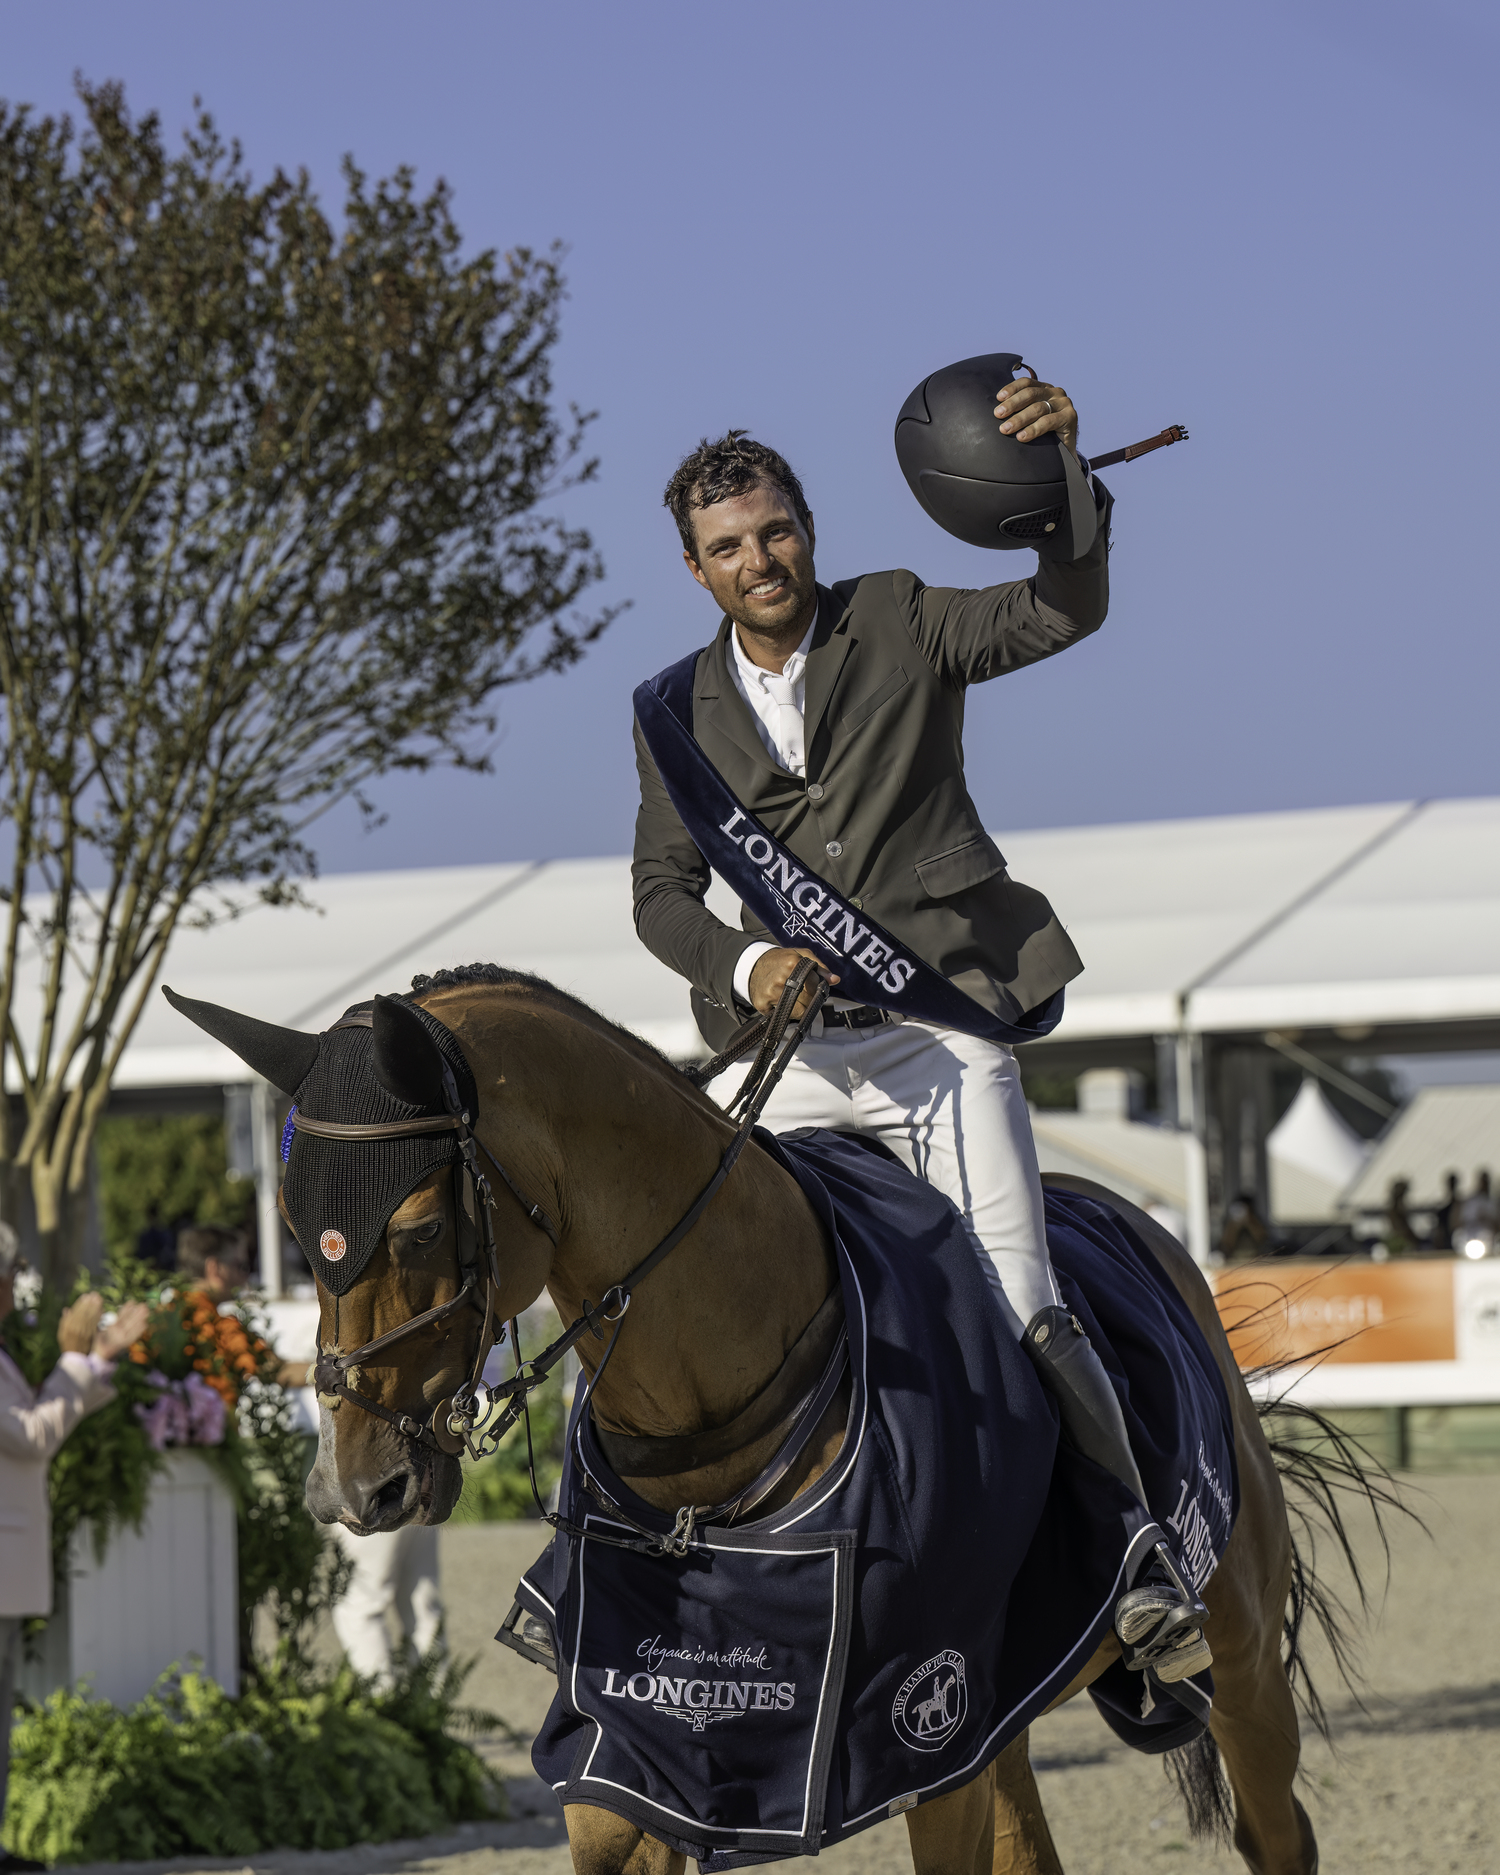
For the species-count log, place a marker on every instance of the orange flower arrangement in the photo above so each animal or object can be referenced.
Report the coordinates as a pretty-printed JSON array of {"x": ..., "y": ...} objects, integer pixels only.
[{"x": 188, "y": 1334}]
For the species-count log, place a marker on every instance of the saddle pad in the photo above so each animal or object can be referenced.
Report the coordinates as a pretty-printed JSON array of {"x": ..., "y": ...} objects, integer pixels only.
[{"x": 951, "y": 1504}]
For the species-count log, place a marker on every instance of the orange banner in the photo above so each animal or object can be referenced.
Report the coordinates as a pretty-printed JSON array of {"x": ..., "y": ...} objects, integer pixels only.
[{"x": 1288, "y": 1310}]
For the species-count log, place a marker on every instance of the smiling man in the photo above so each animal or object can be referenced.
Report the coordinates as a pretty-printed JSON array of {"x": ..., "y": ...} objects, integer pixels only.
[{"x": 835, "y": 716}]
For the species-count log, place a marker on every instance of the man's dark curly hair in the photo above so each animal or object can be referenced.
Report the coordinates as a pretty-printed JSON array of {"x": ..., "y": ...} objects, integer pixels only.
[{"x": 721, "y": 470}]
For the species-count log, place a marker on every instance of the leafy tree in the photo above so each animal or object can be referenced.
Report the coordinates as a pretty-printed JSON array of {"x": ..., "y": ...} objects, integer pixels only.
[
  {"x": 269, "y": 528},
  {"x": 169, "y": 1164}
]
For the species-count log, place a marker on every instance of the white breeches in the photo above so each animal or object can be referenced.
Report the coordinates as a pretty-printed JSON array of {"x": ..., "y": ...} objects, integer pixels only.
[
  {"x": 951, "y": 1108},
  {"x": 394, "y": 1569}
]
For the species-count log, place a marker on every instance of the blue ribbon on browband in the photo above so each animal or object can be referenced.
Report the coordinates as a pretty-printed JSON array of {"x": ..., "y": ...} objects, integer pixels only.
[{"x": 288, "y": 1133}]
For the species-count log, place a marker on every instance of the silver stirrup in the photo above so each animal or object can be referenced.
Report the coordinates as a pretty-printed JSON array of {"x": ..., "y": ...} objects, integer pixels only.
[{"x": 1160, "y": 1625}]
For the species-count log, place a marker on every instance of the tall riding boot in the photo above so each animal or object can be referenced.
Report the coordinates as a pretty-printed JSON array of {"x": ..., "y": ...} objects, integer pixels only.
[{"x": 1160, "y": 1621}]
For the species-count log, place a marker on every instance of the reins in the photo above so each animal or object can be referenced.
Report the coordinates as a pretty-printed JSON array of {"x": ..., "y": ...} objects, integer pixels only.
[{"x": 453, "y": 1424}]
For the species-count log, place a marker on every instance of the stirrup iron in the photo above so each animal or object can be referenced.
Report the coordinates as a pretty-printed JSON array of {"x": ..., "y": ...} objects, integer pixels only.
[{"x": 1160, "y": 1623}]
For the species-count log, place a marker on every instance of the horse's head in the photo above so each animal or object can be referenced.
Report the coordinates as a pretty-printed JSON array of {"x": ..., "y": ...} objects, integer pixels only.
[
  {"x": 376, "y": 1194},
  {"x": 370, "y": 1473}
]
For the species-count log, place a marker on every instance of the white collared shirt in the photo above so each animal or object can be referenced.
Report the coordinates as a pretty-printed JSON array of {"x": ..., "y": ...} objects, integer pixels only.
[{"x": 777, "y": 702}]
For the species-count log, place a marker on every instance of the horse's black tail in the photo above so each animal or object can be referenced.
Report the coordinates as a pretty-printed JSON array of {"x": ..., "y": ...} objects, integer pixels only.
[
  {"x": 1198, "y": 1772},
  {"x": 1321, "y": 1468}
]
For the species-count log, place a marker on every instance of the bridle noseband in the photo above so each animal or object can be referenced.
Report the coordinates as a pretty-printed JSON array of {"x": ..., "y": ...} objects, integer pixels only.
[{"x": 452, "y": 1426}]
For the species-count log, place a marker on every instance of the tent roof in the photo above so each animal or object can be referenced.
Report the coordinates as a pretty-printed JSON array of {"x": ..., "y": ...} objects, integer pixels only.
[
  {"x": 1442, "y": 1130},
  {"x": 1148, "y": 1164},
  {"x": 1337, "y": 916},
  {"x": 1330, "y": 916},
  {"x": 569, "y": 921}
]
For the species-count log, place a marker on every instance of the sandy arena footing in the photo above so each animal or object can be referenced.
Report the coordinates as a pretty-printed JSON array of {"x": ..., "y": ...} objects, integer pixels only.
[{"x": 1412, "y": 1782}]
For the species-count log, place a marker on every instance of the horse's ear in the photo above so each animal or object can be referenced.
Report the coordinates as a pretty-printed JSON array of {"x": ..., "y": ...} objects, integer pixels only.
[
  {"x": 408, "y": 1062},
  {"x": 283, "y": 1056}
]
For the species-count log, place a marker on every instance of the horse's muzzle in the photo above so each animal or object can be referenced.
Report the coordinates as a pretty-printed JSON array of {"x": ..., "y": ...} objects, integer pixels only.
[{"x": 417, "y": 1490}]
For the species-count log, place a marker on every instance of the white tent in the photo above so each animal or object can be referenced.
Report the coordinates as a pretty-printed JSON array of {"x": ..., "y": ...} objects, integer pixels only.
[
  {"x": 1442, "y": 1130},
  {"x": 1312, "y": 1155},
  {"x": 1333, "y": 916},
  {"x": 1336, "y": 916},
  {"x": 569, "y": 921},
  {"x": 1311, "y": 1136}
]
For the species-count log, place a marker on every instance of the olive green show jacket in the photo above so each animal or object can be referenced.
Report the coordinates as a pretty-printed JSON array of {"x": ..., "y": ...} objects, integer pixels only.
[{"x": 883, "y": 813}]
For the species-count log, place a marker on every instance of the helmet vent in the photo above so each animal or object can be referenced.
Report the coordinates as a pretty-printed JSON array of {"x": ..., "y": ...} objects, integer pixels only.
[{"x": 1034, "y": 526}]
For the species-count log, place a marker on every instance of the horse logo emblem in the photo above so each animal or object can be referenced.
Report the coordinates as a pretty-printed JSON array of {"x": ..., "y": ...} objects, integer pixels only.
[
  {"x": 332, "y": 1244},
  {"x": 932, "y": 1702}
]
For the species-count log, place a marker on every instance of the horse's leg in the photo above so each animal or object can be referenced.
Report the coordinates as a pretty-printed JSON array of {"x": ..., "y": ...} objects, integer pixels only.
[
  {"x": 605, "y": 1844},
  {"x": 954, "y": 1835},
  {"x": 1023, "y": 1842},
  {"x": 993, "y": 1825},
  {"x": 1254, "y": 1720},
  {"x": 1255, "y": 1727}
]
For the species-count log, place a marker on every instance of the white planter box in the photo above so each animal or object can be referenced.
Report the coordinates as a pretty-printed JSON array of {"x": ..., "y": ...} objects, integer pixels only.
[{"x": 166, "y": 1593}]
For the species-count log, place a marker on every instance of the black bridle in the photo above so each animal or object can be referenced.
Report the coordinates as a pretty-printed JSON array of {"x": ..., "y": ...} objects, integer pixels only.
[{"x": 454, "y": 1424}]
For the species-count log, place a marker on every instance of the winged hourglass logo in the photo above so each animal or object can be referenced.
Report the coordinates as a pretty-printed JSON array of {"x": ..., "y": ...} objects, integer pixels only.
[{"x": 797, "y": 925}]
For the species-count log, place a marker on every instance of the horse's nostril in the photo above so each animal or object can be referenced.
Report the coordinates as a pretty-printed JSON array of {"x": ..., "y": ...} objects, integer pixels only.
[{"x": 391, "y": 1494}]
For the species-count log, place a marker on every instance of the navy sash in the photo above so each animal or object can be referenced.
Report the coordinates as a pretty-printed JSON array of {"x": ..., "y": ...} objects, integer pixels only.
[{"x": 801, "y": 909}]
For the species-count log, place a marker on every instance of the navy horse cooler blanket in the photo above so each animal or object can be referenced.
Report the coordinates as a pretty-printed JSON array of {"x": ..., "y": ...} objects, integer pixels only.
[{"x": 880, "y": 1640}]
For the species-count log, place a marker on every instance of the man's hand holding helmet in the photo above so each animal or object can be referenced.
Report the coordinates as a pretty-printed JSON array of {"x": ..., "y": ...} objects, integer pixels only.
[{"x": 1028, "y": 408}]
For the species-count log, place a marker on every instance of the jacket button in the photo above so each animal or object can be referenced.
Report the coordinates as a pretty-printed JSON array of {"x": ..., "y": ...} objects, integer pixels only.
[
  {"x": 834, "y": 848},
  {"x": 857, "y": 903},
  {"x": 815, "y": 791}
]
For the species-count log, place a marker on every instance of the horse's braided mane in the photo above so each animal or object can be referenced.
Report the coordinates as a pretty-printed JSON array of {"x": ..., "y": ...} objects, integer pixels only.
[{"x": 499, "y": 977}]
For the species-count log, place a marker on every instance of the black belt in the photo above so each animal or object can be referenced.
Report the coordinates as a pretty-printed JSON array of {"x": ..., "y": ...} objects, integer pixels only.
[{"x": 862, "y": 1016}]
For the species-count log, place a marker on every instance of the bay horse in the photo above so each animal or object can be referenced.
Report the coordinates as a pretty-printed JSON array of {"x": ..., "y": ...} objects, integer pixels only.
[{"x": 606, "y": 1144}]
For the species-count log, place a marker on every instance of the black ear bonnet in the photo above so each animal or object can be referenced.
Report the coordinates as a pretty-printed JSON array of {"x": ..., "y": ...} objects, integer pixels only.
[
  {"x": 340, "y": 1193},
  {"x": 988, "y": 489}
]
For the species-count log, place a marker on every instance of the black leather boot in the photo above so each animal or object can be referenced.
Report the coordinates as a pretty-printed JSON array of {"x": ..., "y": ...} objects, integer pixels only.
[{"x": 1160, "y": 1621}]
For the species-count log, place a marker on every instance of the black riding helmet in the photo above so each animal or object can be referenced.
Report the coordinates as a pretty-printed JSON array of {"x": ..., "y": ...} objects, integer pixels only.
[{"x": 989, "y": 489}]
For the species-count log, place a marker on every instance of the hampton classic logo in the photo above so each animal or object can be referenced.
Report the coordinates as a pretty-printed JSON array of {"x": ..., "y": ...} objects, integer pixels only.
[
  {"x": 810, "y": 909},
  {"x": 700, "y": 1701},
  {"x": 932, "y": 1702},
  {"x": 332, "y": 1244}
]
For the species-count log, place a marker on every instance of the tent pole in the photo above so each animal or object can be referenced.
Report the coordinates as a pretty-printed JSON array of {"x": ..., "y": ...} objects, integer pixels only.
[
  {"x": 267, "y": 1184},
  {"x": 1190, "y": 1122}
]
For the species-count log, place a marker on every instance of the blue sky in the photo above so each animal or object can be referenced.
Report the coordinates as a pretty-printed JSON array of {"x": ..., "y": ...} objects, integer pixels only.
[{"x": 1273, "y": 223}]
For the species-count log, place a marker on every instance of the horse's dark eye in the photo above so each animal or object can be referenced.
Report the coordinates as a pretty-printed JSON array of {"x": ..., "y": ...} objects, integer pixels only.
[{"x": 429, "y": 1233}]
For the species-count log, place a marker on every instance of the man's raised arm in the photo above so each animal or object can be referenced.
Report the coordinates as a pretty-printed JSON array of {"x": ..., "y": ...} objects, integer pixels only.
[
  {"x": 971, "y": 636},
  {"x": 669, "y": 879}
]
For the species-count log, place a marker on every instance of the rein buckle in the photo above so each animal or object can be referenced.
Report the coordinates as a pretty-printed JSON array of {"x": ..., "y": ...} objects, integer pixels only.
[{"x": 679, "y": 1538}]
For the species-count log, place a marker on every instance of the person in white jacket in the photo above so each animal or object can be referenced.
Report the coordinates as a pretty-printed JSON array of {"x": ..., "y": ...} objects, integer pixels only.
[{"x": 33, "y": 1424}]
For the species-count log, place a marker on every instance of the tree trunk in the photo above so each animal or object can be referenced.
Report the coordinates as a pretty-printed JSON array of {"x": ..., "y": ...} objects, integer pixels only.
[{"x": 66, "y": 1238}]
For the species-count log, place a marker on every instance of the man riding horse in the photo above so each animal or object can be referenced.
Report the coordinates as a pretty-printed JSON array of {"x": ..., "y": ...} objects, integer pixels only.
[{"x": 835, "y": 716}]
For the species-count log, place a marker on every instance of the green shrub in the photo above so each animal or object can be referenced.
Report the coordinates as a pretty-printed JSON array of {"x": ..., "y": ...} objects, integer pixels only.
[{"x": 298, "y": 1761}]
